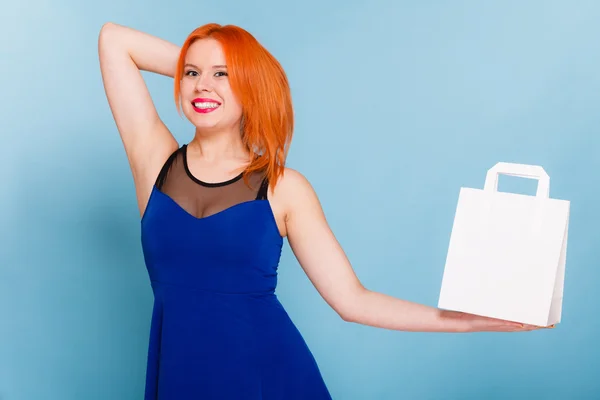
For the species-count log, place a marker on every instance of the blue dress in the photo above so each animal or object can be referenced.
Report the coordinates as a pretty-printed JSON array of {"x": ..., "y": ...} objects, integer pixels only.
[{"x": 218, "y": 330}]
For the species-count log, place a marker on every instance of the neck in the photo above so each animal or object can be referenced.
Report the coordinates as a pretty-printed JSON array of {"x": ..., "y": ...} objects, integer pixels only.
[{"x": 216, "y": 146}]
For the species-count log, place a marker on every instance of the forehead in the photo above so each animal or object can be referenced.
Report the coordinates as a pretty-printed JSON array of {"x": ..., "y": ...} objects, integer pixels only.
[{"x": 205, "y": 52}]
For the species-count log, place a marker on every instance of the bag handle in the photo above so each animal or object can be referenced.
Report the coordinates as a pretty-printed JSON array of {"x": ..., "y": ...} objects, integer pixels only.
[{"x": 521, "y": 171}]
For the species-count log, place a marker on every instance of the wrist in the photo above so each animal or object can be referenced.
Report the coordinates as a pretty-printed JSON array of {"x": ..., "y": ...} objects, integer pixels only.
[{"x": 456, "y": 322}]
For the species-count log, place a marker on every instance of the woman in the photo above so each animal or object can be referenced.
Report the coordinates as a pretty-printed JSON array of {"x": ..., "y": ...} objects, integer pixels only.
[{"x": 214, "y": 214}]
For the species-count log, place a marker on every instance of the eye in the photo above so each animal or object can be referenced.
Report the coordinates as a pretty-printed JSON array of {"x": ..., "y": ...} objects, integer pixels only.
[
  {"x": 190, "y": 73},
  {"x": 221, "y": 73}
]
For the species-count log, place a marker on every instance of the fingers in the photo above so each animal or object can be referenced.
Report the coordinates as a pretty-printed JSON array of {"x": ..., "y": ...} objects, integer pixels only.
[
  {"x": 517, "y": 327},
  {"x": 527, "y": 327}
]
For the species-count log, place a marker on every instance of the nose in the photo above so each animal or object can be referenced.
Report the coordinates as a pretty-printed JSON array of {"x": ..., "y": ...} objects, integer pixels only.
[{"x": 203, "y": 83}]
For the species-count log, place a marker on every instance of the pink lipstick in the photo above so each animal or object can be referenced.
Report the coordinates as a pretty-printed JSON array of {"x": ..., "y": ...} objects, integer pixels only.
[{"x": 205, "y": 109}]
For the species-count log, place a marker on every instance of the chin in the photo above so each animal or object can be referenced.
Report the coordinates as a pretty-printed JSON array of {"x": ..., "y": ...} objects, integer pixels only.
[
  {"x": 205, "y": 125},
  {"x": 202, "y": 121}
]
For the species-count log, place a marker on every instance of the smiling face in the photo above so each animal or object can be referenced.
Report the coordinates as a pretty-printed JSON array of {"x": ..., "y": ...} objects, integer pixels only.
[{"x": 207, "y": 99}]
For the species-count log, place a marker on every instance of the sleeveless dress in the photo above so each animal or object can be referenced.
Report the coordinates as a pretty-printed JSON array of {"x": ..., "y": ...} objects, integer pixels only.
[{"x": 218, "y": 330}]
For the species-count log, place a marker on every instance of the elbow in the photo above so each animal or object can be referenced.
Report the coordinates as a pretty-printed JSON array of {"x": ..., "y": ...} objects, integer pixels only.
[
  {"x": 107, "y": 31},
  {"x": 104, "y": 33},
  {"x": 107, "y": 26},
  {"x": 349, "y": 308},
  {"x": 110, "y": 40},
  {"x": 348, "y": 315}
]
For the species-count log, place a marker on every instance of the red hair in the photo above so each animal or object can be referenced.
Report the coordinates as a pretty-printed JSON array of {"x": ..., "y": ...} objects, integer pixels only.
[{"x": 260, "y": 84}]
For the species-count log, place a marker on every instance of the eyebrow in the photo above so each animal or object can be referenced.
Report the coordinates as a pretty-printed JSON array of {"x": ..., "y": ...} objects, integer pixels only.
[{"x": 214, "y": 66}]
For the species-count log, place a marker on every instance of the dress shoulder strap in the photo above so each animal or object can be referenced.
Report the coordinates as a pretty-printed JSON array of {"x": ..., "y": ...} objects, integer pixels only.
[
  {"x": 164, "y": 171},
  {"x": 262, "y": 191}
]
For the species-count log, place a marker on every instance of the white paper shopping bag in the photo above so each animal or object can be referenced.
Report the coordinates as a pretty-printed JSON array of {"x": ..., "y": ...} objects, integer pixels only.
[{"x": 507, "y": 251}]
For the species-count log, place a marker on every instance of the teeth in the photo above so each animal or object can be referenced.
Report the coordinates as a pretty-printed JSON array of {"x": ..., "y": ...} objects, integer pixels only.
[{"x": 206, "y": 105}]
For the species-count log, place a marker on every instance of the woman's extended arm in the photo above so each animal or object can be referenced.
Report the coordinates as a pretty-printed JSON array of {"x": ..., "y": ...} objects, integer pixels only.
[{"x": 328, "y": 268}]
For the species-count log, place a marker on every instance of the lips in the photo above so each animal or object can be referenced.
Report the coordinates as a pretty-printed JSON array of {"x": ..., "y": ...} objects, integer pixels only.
[{"x": 205, "y": 105}]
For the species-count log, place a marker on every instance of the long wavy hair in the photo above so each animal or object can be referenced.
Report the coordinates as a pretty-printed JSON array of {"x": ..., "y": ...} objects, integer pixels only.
[{"x": 261, "y": 85}]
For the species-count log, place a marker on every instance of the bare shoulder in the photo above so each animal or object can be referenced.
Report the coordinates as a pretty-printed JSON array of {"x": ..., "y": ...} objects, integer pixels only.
[
  {"x": 292, "y": 180},
  {"x": 293, "y": 188},
  {"x": 293, "y": 197}
]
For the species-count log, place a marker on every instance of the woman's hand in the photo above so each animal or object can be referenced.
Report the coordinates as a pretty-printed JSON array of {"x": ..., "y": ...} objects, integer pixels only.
[{"x": 476, "y": 323}]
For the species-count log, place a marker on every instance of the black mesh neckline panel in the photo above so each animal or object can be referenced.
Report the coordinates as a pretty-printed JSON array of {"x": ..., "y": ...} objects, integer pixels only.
[{"x": 202, "y": 199}]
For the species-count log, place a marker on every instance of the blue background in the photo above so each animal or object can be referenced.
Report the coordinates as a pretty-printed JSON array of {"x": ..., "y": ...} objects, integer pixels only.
[{"x": 398, "y": 105}]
